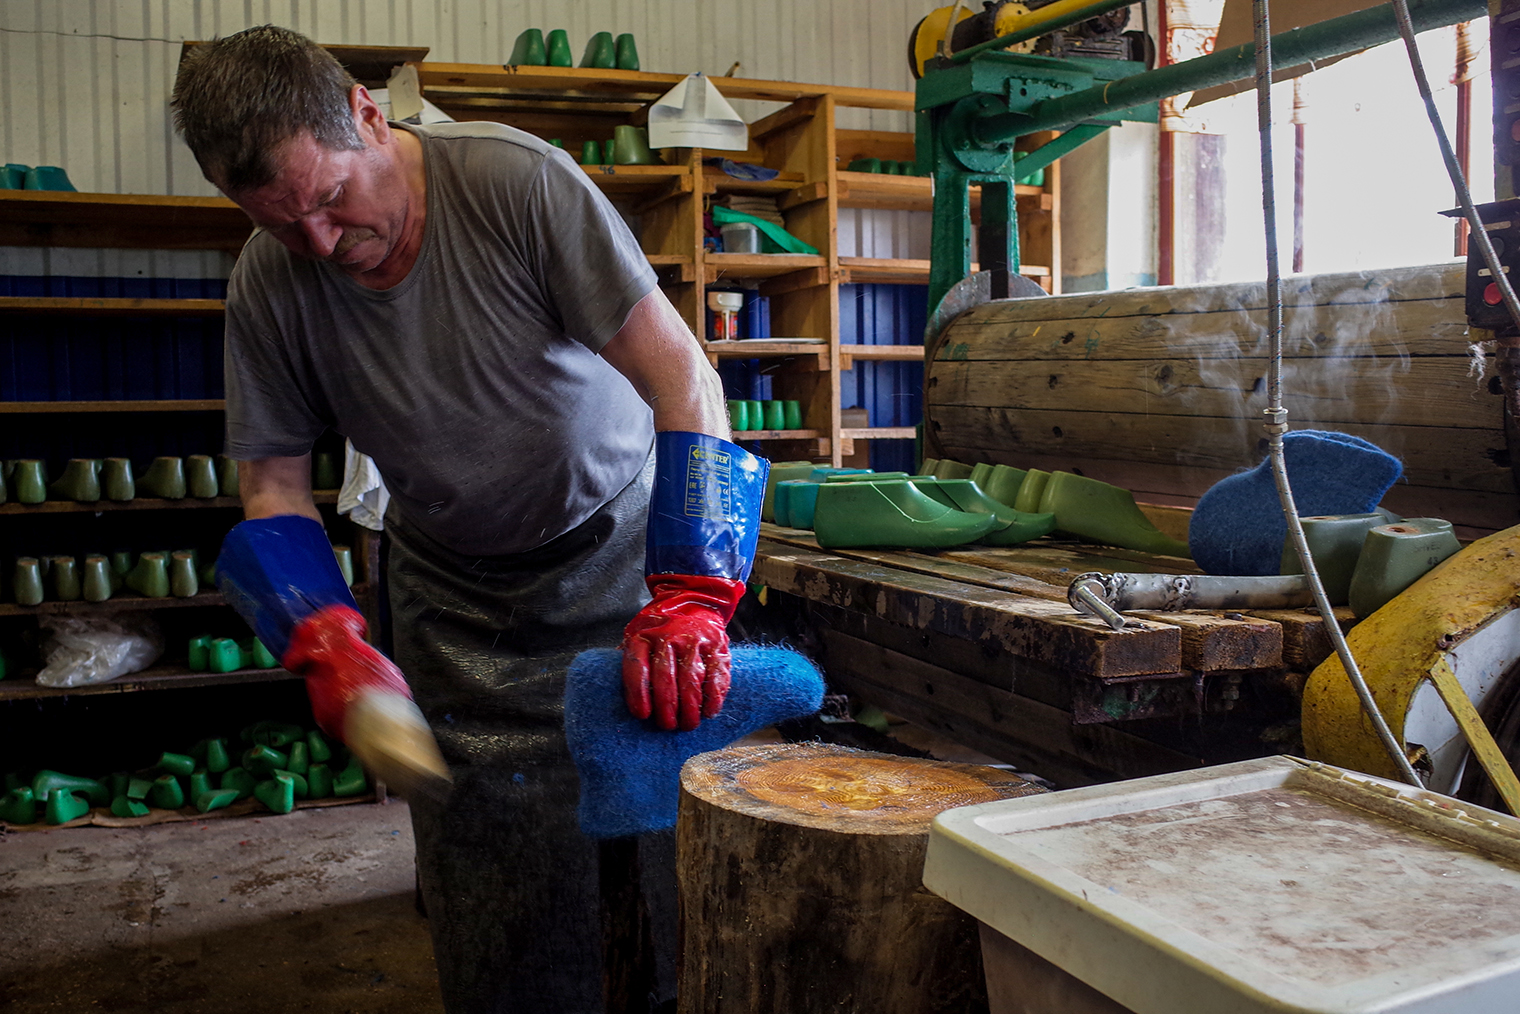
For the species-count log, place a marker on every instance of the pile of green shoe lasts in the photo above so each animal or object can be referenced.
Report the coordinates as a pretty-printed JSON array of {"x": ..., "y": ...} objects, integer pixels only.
[
  {"x": 952, "y": 504},
  {"x": 281, "y": 763}
]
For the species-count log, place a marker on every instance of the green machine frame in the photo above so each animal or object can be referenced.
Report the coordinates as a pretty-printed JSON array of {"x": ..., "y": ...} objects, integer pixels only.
[{"x": 973, "y": 106}]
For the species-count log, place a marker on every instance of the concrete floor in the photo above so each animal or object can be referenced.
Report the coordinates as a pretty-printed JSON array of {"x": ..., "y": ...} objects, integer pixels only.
[{"x": 311, "y": 911}]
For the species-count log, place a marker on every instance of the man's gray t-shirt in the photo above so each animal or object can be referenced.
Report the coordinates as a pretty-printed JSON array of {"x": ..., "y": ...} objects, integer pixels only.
[{"x": 475, "y": 383}]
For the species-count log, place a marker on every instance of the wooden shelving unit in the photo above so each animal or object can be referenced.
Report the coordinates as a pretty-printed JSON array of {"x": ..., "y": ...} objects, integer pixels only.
[
  {"x": 163, "y": 405},
  {"x": 115, "y": 603},
  {"x": 802, "y": 143},
  {"x": 156, "y": 678},
  {"x": 141, "y": 503}
]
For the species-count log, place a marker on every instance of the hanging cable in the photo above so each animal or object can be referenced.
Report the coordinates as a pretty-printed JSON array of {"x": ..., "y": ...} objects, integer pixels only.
[{"x": 1277, "y": 415}]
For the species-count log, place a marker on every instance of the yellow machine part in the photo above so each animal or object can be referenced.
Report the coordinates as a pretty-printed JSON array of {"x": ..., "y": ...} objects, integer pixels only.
[
  {"x": 1008, "y": 18},
  {"x": 1402, "y": 645},
  {"x": 930, "y": 32}
]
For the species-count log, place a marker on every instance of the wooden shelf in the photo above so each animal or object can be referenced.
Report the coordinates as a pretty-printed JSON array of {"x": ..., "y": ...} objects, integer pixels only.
[
  {"x": 134, "y": 221},
  {"x": 173, "y": 405},
  {"x": 879, "y": 353},
  {"x": 901, "y": 271},
  {"x": 716, "y": 181},
  {"x": 329, "y": 496},
  {"x": 446, "y": 82},
  {"x": 765, "y": 349},
  {"x": 881, "y": 433},
  {"x": 114, "y": 603},
  {"x": 733, "y": 265},
  {"x": 103, "y": 307},
  {"x": 637, "y": 178},
  {"x": 911, "y": 193},
  {"x": 156, "y": 678},
  {"x": 777, "y": 434}
]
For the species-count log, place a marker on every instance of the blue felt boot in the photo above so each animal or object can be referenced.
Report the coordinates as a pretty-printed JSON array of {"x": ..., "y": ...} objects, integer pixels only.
[{"x": 1238, "y": 526}]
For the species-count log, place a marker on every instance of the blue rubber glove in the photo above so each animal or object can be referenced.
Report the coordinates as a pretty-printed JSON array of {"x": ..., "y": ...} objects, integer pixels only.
[{"x": 704, "y": 524}]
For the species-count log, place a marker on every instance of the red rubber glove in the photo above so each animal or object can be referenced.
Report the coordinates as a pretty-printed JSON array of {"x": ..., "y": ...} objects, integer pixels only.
[
  {"x": 329, "y": 649},
  {"x": 675, "y": 651}
]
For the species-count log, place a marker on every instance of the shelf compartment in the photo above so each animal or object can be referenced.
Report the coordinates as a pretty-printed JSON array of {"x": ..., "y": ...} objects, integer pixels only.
[
  {"x": 155, "y": 678},
  {"x": 902, "y": 271},
  {"x": 879, "y": 353},
  {"x": 141, "y": 504},
  {"x": 760, "y": 349},
  {"x": 716, "y": 181},
  {"x": 912, "y": 193},
  {"x": 735, "y": 265},
  {"x": 112, "y": 604},
  {"x": 170, "y": 405},
  {"x": 777, "y": 434},
  {"x": 133, "y": 221},
  {"x": 103, "y": 307},
  {"x": 443, "y": 82}
]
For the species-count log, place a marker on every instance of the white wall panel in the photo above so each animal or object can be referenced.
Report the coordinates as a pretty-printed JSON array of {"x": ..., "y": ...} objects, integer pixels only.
[{"x": 85, "y": 83}]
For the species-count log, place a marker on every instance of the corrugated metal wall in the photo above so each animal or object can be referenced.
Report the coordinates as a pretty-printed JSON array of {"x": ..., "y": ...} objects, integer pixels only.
[{"x": 85, "y": 83}]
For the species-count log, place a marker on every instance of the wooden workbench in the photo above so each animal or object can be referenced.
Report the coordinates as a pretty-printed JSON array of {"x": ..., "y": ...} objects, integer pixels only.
[{"x": 980, "y": 644}]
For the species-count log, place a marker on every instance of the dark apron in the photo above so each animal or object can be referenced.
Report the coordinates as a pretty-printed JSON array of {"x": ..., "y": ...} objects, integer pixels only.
[{"x": 512, "y": 888}]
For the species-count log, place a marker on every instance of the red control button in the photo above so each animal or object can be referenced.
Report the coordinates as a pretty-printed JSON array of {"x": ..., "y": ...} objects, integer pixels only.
[{"x": 1491, "y": 295}]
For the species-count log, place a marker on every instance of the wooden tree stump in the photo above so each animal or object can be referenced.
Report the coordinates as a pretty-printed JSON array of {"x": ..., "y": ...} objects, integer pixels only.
[{"x": 801, "y": 877}]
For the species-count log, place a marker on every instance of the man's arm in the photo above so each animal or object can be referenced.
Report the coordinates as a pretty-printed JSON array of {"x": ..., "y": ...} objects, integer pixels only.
[
  {"x": 663, "y": 361},
  {"x": 274, "y": 486}
]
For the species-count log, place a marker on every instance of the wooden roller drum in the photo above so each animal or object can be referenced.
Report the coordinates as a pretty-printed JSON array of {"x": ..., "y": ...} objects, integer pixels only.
[{"x": 801, "y": 885}]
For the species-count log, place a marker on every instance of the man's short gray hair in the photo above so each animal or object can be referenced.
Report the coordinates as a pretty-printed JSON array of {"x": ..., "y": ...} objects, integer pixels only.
[{"x": 238, "y": 99}]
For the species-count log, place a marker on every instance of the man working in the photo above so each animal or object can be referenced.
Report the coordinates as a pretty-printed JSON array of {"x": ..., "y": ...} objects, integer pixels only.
[{"x": 462, "y": 304}]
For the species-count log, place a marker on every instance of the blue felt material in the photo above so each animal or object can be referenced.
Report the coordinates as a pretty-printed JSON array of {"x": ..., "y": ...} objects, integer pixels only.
[
  {"x": 276, "y": 572},
  {"x": 704, "y": 511},
  {"x": 630, "y": 771},
  {"x": 1238, "y": 526}
]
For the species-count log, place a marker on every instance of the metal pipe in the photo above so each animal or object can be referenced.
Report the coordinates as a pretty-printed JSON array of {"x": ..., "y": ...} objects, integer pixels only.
[
  {"x": 1050, "y": 18},
  {"x": 1370, "y": 27}
]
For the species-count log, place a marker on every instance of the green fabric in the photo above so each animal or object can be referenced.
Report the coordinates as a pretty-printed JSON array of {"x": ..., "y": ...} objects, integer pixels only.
[{"x": 770, "y": 230}]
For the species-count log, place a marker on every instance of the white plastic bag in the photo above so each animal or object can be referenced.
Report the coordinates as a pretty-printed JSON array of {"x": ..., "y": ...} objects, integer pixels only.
[{"x": 81, "y": 650}]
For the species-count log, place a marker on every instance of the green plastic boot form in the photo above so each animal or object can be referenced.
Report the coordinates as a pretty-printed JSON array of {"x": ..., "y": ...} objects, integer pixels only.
[
  {"x": 27, "y": 581},
  {"x": 63, "y": 806},
  {"x": 198, "y": 653},
  {"x": 167, "y": 793},
  {"x": 29, "y": 481},
  {"x": 600, "y": 52},
  {"x": 264, "y": 760},
  {"x": 181, "y": 764},
  {"x": 350, "y": 781},
  {"x": 165, "y": 479},
  {"x": 1335, "y": 543},
  {"x": 200, "y": 476},
  {"x": 98, "y": 583},
  {"x": 1395, "y": 557},
  {"x": 300, "y": 761},
  {"x": 200, "y": 784},
  {"x": 123, "y": 807},
  {"x": 79, "y": 482},
  {"x": 121, "y": 566},
  {"x": 150, "y": 578},
  {"x": 183, "y": 581},
  {"x": 559, "y": 52},
  {"x": 964, "y": 494},
  {"x": 226, "y": 475},
  {"x": 138, "y": 788},
  {"x": 63, "y": 580},
  {"x": 260, "y": 657},
  {"x": 117, "y": 481},
  {"x": 277, "y": 793},
  {"x": 947, "y": 469},
  {"x": 327, "y": 471},
  {"x": 1098, "y": 512},
  {"x": 215, "y": 799},
  {"x": 45, "y": 783},
  {"x": 317, "y": 749},
  {"x": 225, "y": 655},
  {"x": 529, "y": 50},
  {"x": 893, "y": 513},
  {"x": 1003, "y": 485},
  {"x": 20, "y": 807},
  {"x": 298, "y": 782},
  {"x": 217, "y": 758},
  {"x": 276, "y": 734},
  {"x": 1031, "y": 491},
  {"x": 319, "y": 781},
  {"x": 240, "y": 781},
  {"x": 627, "y": 52},
  {"x": 345, "y": 558}
]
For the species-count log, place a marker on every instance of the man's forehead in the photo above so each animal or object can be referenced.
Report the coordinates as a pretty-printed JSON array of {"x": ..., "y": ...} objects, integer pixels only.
[{"x": 304, "y": 176}]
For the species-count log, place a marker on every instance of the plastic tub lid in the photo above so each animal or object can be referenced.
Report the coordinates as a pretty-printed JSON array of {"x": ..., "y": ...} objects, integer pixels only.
[{"x": 1270, "y": 885}]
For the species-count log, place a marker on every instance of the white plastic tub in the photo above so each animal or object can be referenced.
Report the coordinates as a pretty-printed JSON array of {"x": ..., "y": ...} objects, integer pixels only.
[{"x": 1270, "y": 885}]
